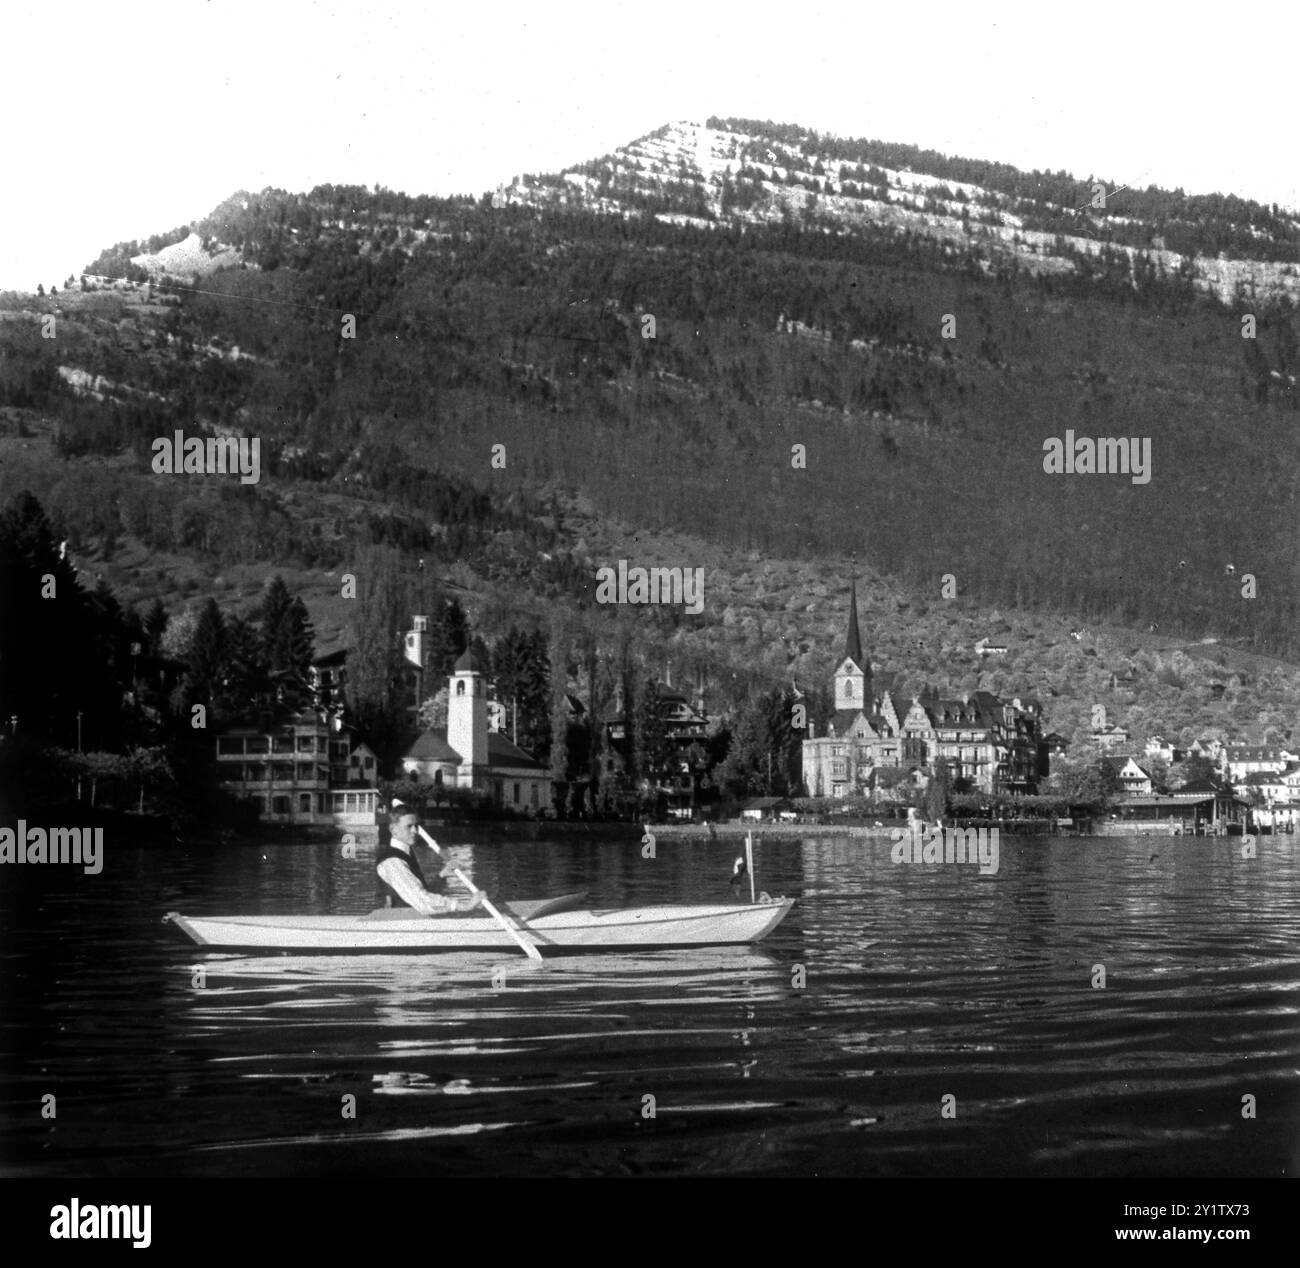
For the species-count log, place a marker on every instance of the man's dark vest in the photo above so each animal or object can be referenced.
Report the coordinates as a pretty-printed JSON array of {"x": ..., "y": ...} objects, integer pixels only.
[{"x": 389, "y": 896}]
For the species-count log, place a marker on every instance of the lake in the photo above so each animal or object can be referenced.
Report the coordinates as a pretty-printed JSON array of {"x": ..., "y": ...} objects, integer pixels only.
[{"x": 905, "y": 1020}]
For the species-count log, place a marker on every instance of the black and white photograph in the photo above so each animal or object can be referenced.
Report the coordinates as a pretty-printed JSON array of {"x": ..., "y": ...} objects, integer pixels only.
[{"x": 664, "y": 592}]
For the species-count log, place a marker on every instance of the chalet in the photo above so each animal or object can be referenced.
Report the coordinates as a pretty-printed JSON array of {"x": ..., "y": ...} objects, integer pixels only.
[
  {"x": 471, "y": 756},
  {"x": 1110, "y": 739},
  {"x": 685, "y": 730},
  {"x": 1134, "y": 781},
  {"x": 1055, "y": 744}
]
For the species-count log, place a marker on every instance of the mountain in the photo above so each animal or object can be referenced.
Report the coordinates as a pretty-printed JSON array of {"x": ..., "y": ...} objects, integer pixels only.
[{"x": 769, "y": 349}]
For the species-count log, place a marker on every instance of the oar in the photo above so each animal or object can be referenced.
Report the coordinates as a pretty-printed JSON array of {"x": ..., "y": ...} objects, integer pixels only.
[{"x": 530, "y": 947}]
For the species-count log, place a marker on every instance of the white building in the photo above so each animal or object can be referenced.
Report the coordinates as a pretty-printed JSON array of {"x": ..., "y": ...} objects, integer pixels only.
[{"x": 473, "y": 756}]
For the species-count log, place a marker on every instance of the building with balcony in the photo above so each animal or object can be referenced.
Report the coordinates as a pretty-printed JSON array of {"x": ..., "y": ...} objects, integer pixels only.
[{"x": 307, "y": 770}]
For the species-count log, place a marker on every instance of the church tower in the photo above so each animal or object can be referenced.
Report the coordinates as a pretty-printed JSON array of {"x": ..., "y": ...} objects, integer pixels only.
[
  {"x": 853, "y": 677},
  {"x": 467, "y": 721}
]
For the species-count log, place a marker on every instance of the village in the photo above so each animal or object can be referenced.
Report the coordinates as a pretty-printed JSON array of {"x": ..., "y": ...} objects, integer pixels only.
[{"x": 882, "y": 753}]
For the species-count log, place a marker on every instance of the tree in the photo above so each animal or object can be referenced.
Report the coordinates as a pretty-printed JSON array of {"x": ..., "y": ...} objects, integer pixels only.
[
  {"x": 433, "y": 712},
  {"x": 375, "y": 689},
  {"x": 558, "y": 653},
  {"x": 179, "y": 635},
  {"x": 1192, "y": 770},
  {"x": 522, "y": 673},
  {"x": 155, "y": 624},
  {"x": 205, "y": 662},
  {"x": 649, "y": 740},
  {"x": 247, "y": 691},
  {"x": 743, "y": 772},
  {"x": 938, "y": 790}
]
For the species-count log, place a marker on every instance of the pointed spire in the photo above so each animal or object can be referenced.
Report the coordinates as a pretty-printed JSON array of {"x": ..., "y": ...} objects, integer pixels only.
[{"x": 853, "y": 644}]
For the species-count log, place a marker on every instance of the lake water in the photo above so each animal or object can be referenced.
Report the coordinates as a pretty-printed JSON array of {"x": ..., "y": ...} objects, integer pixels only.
[{"x": 921, "y": 983}]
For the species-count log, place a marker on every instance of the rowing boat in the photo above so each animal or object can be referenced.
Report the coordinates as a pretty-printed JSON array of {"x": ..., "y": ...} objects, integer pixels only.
[{"x": 556, "y": 925}]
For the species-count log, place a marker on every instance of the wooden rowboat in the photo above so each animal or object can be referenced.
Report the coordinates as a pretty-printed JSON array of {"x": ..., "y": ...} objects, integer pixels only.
[{"x": 556, "y": 925}]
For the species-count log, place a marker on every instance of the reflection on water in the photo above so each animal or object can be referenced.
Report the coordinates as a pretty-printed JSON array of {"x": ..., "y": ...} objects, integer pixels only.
[{"x": 827, "y": 1049}]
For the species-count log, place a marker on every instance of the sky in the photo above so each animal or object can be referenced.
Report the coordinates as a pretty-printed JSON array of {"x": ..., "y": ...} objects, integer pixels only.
[{"x": 131, "y": 118}]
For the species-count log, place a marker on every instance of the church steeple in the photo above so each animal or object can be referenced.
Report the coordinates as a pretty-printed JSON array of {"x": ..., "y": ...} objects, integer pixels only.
[
  {"x": 853, "y": 677},
  {"x": 853, "y": 644}
]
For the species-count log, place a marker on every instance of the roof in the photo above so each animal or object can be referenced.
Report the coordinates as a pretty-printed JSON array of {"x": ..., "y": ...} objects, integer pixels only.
[
  {"x": 501, "y": 752},
  {"x": 764, "y": 803},
  {"x": 1194, "y": 799},
  {"x": 432, "y": 747},
  {"x": 853, "y": 643},
  {"x": 468, "y": 663},
  {"x": 845, "y": 719}
]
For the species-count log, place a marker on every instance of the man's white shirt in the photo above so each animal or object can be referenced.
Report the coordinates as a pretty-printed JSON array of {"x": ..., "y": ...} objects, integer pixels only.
[{"x": 398, "y": 875}]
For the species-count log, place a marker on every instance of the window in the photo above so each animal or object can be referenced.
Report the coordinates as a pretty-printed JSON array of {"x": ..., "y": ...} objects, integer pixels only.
[
  {"x": 516, "y": 794},
  {"x": 283, "y": 743},
  {"x": 460, "y": 688},
  {"x": 280, "y": 805},
  {"x": 306, "y": 743},
  {"x": 255, "y": 772},
  {"x": 257, "y": 744},
  {"x": 230, "y": 744},
  {"x": 304, "y": 803}
]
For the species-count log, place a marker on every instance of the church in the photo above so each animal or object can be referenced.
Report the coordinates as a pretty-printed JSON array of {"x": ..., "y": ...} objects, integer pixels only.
[
  {"x": 989, "y": 745},
  {"x": 471, "y": 755}
]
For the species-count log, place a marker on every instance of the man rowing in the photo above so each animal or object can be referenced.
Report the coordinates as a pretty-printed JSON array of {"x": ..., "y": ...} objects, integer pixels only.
[{"x": 400, "y": 879}]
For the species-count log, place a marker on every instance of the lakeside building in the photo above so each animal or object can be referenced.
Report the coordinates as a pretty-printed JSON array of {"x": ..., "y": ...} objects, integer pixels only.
[
  {"x": 1239, "y": 760},
  {"x": 308, "y": 770},
  {"x": 1189, "y": 810},
  {"x": 684, "y": 726},
  {"x": 989, "y": 744},
  {"x": 1275, "y": 796},
  {"x": 472, "y": 756},
  {"x": 1134, "y": 781}
]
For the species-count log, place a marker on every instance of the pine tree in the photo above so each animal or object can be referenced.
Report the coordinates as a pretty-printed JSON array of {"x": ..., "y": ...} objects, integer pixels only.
[
  {"x": 206, "y": 661},
  {"x": 155, "y": 622},
  {"x": 377, "y": 667},
  {"x": 560, "y": 760}
]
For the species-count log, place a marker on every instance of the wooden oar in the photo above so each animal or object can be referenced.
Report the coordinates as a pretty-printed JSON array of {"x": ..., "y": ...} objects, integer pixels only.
[{"x": 530, "y": 947}]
